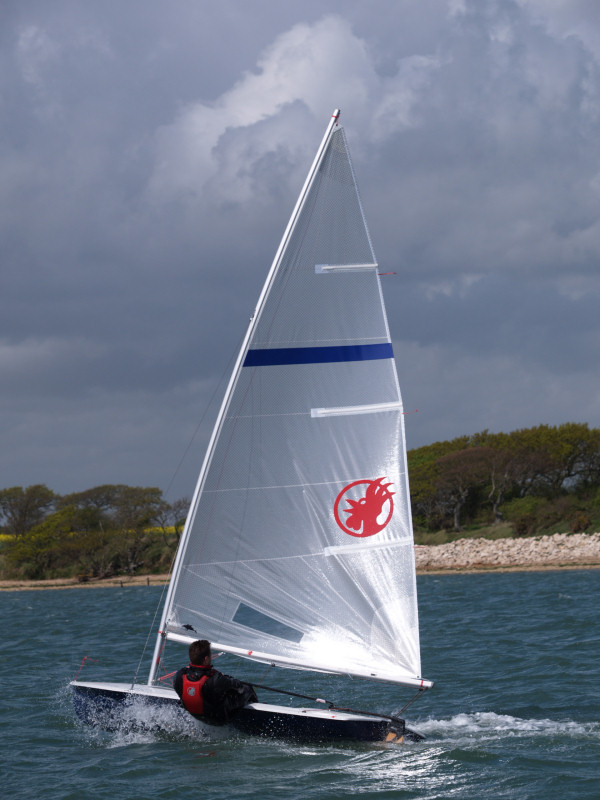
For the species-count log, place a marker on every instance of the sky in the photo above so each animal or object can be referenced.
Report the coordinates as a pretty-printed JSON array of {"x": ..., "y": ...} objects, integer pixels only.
[{"x": 151, "y": 153}]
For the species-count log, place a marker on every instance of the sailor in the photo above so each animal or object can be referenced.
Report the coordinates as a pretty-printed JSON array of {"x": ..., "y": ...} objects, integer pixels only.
[{"x": 208, "y": 694}]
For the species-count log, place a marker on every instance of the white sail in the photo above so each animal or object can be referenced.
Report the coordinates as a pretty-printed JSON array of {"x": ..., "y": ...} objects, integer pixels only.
[{"x": 298, "y": 547}]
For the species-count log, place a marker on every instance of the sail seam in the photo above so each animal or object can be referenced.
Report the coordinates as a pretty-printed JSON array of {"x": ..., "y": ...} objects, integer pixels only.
[
  {"x": 197, "y": 569},
  {"x": 349, "y": 548},
  {"x": 282, "y": 486},
  {"x": 381, "y": 339},
  {"x": 267, "y": 416}
]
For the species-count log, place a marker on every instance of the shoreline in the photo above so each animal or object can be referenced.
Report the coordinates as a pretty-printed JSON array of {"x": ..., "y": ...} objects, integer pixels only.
[
  {"x": 555, "y": 551},
  {"x": 559, "y": 551},
  {"x": 120, "y": 581}
]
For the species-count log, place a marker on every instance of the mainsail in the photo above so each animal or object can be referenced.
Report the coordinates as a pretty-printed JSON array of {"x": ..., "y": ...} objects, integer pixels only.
[{"x": 298, "y": 547}]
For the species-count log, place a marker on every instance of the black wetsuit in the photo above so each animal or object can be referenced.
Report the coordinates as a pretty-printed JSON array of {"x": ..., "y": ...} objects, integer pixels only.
[{"x": 223, "y": 695}]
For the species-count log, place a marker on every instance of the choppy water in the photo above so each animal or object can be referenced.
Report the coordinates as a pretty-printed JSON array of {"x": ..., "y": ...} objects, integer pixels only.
[{"x": 515, "y": 712}]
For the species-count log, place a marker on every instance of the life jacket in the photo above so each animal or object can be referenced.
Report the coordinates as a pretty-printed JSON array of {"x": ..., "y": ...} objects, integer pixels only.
[{"x": 191, "y": 697}]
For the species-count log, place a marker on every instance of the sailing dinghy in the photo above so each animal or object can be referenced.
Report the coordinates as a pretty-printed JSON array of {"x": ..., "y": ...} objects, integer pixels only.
[{"x": 298, "y": 550}]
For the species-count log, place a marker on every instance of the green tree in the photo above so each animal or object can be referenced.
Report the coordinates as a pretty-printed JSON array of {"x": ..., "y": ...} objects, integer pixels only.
[
  {"x": 135, "y": 510},
  {"x": 426, "y": 506},
  {"x": 511, "y": 467},
  {"x": 557, "y": 456},
  {"x": 24, "y": 508},
  {"x": 459, "y": 475},
  {"x": 429, "y": 506},
  {"x": 40, "y": 549},
  {"x": 171, "y": 515}
]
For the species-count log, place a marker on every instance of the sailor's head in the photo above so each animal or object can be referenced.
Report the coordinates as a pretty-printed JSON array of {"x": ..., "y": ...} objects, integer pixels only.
[{"x": 200, "y": 654}]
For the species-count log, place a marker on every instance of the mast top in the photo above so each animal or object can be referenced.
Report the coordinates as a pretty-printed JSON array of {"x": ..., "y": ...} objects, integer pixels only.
[{"x": 336, "y": 115}]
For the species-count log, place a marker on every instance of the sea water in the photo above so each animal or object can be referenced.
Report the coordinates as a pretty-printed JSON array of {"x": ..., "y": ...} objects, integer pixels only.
[{"x": 515, "y": 712}]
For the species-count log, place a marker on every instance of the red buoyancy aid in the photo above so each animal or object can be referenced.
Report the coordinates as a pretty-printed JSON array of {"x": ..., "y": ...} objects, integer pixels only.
[{"x": 191, "y": 697}]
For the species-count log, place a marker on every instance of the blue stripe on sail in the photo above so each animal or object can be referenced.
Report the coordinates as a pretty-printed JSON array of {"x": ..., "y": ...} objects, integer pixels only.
[{"x": 317, "y": 355}]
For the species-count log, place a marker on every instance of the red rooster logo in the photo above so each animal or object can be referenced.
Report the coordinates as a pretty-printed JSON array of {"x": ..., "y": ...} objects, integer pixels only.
[{"x": 365, "y": 512}]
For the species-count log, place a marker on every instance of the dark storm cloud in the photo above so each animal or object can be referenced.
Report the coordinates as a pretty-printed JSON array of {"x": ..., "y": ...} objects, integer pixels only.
[{"x": 150, "y": 156}]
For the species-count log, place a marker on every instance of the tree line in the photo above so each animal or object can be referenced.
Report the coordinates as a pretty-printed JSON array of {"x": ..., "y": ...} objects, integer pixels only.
[
  {"x": 105, "y": 531},
  {"x": 531, "y": 481},
  {"x": 538, "y": 480}
]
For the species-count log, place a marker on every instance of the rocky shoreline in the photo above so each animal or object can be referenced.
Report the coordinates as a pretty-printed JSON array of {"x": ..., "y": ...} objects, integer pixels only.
[{"x": 559, "y": 551}]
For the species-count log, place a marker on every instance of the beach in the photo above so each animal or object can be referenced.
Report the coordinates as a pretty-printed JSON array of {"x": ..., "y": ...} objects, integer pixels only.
[
  {"x": 74, "y": 583},
  {"x": 558, "y": 551}
]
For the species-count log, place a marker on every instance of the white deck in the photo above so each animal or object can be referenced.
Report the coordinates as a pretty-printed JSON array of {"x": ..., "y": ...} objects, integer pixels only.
[
  {"x": 142, "y": 689},
  {"x": 164, "y": 693}
]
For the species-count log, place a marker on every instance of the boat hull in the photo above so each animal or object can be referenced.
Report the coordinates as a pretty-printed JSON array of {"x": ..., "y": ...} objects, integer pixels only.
[{"x": 123, "y": 707}]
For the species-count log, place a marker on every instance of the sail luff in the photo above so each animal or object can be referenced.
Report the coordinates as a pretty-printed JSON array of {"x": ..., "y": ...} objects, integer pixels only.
[
  {"x": 229, "y": 392},
  {"x": 292, "y": 224}
]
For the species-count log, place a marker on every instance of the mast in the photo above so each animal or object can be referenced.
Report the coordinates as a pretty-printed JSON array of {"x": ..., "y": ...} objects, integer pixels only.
[{"x": 230, "y": 388}]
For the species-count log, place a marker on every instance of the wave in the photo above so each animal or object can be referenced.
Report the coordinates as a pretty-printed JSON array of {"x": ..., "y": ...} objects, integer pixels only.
[{"x": 488, "y": 725}]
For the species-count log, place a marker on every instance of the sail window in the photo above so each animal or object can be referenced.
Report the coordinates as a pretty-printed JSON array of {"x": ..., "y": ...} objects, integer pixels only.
[{"x": 252, "y": 618}]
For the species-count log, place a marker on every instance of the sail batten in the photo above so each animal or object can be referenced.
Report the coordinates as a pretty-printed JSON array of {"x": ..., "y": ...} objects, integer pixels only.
[
  {"x": 295, "y": 549},
  {"x": 375, "y": 408},
  {"x": 321, "y": 269}
]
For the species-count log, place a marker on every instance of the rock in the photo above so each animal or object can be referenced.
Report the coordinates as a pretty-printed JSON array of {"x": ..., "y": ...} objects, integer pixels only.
[{"x": 559, "y": 549}]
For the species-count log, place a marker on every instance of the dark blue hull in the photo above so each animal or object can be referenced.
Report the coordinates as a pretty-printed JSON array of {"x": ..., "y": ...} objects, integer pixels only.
[{"x": 121, "y": 707}]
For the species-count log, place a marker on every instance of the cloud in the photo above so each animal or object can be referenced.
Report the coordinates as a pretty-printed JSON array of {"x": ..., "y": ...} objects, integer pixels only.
[
  {"x": 457, "y": 392},
  {"x": 562, "y": 20},
  {"x": 149, "y": 164},
  {"x": 297, "y": 68},
  {"x": 218, "y": 146},
  {"x": 30, "y": 363},
  {"x": 36, "y": 50}
]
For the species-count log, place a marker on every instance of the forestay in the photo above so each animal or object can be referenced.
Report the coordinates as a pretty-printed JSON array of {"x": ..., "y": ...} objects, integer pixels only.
[{"x": 298, "y": 548}]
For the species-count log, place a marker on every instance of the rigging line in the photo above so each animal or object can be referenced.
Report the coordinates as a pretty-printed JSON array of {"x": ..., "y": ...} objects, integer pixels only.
[
  {"x": 291, "y": 694},
  {"x": 266, "y": 672},
  {"x": 168, "y": 489},
  {"x": 208, "y": 405},
  {"x": 150, "y": 632},
  {"x": 410, "y": 702},
  {"x": 232, "y": 573},
  {"x": 395, "y": 720},
  {"x": 85, "y": 658}
]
